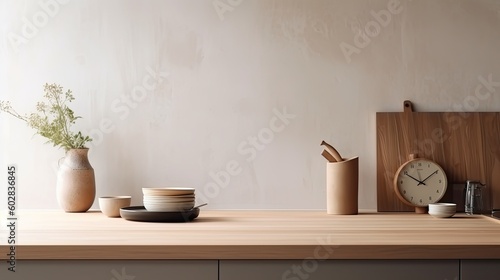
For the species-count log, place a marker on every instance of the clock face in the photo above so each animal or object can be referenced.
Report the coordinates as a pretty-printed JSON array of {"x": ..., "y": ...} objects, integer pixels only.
[{"x": 420, "y": 182}]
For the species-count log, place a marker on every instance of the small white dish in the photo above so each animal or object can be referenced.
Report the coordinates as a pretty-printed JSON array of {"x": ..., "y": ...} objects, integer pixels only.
[
  {"x": 110, "y": 205},
  {"x": 441, "y": 215},
  {"x": 442, "y": 210}
]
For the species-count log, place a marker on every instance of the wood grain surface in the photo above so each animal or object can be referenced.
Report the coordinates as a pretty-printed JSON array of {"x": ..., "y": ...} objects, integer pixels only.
[
  {"x": 466, "y": 145},
  {"x": 255, "y": 235}
]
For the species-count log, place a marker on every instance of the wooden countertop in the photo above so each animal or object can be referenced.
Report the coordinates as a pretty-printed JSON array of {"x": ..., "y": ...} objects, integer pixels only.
[{"x": 255, "y": 235}]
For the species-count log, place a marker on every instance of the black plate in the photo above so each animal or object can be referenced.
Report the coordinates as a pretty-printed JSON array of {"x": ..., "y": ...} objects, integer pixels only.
[{"x": 139, "y": 213}]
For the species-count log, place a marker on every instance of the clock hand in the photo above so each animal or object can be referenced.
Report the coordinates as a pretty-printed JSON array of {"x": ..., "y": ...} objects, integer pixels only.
[
  {"x": 419, "y": 182},
  {"x": 435, "y": 172}
]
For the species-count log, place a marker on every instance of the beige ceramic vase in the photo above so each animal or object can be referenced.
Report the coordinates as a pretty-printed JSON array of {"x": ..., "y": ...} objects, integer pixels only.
[{"x": 75, "y": 182}]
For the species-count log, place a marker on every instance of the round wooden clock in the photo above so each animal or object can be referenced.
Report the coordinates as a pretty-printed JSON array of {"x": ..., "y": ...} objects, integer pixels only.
[{"x": 420, "y": 182}]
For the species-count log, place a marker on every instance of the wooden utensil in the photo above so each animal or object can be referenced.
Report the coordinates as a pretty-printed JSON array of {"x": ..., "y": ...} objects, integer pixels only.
[
  {"x": 328, "y": 156},
  {"x": 332, "y": 151}
]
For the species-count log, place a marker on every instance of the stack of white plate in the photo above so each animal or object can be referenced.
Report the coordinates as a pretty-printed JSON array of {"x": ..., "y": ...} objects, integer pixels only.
[
  {"x": 442, "y": 210},
  {"x": 168, "y": 199}
]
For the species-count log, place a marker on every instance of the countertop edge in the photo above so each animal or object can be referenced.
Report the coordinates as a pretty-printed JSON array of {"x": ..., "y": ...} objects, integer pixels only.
[{"x": 249, "y": 252}]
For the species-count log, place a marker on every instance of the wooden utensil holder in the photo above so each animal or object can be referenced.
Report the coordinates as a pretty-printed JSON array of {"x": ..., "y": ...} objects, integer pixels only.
[{"x": 342, "y": 187}]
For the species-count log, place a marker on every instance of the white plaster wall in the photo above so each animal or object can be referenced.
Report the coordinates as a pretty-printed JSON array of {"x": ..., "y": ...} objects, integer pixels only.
[{"x": 224, "y": 68}]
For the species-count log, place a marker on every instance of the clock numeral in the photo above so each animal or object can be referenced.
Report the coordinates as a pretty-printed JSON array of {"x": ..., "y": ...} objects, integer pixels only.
[
  {"x": 420, "y": 200},
  {"x": 411, "y": 198},
  {"x": 401, "y": 182},
  {"x": 430, "y": 197},
  {"x": 419, "y": 164},
  {"x": 440, "y": 181},
  {"x": 412, "y": 166},
  {"x": 428, "y": 165},
  {"x": 437, "y": 191},
  {"x": 404, "y": 192},
  {"x": 405, "y": 172}
]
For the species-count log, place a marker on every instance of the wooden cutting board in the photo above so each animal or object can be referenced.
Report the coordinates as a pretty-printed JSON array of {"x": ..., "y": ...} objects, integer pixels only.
[{"x": 466, "y": 145}]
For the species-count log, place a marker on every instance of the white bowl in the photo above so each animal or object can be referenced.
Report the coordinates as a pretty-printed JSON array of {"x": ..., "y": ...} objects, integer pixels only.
[
  {"x": 110, "y": 205},
  {"x": 169, "y": 196},
  {"x": 167, "y": 199},
  {"x": 172, "y": 206},
  {"x": 442, "y": 210},
  {"x": 170, "y": 203},
  {"x": 168, "y": 191},
  {"x": 167, "y": 202},
  {"x": 441, "y": 215},
  {"x": 167, "y": 208},
  {"x": 443, "y": 207}
]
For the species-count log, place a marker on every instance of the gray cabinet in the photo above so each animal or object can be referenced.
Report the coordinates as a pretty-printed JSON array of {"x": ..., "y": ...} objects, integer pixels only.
[
  {"x": 339, "y": 269},
  {"x": 254, "y": 269},
  {"x": 480, "y": 269},
  {"x": 112, "y": 270}
]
